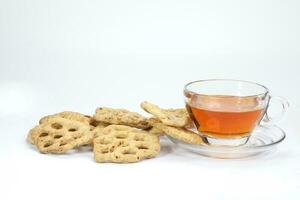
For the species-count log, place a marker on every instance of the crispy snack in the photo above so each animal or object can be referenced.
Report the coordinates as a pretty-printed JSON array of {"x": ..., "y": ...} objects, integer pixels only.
[
  {"x": 98, "y": 130},
  {"x": 121, "y": 117},
  {"x": 171, "y": 117},
  {"x": 154, "y": 130},
  {"x": 123, "y": 144},
  {"x": 180, "y": 133},
  {"x": 32, "y": 135},
  {"x": 74, "y": 116},
  {"x": 59, "y": 135},
  {"x": 153, "y": 120}
]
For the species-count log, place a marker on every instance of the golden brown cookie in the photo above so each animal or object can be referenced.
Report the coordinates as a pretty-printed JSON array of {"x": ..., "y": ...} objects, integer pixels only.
[
  {"x": 30, "y": 138},
  {"x": 154, "y": 130},
  {"x": 121, "y": 117},
  {"x": 70, "y": 115},
  {"x": 180, "y": 133},
  {"x": 75, "y": 116},
  {"x": 153, "y": 120},
  {"x": 59, "y": 135},
  {"x": 124, "y": 144},
  {"x": 171, "y": 117},
  {"x": 98, "y": 130}
]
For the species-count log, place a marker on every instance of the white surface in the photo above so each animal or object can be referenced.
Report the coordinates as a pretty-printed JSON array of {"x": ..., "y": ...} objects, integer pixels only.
[{"x": 77, "y": 55}]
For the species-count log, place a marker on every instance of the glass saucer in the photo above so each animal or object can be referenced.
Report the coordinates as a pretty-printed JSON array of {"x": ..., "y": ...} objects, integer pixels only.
[{"x": 262, "y": 139}]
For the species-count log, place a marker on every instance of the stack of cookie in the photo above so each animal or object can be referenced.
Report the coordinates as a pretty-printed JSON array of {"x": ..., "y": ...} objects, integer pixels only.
[
  {"x": 172, "y": 122},
  {"x": 116, "y": 135}
]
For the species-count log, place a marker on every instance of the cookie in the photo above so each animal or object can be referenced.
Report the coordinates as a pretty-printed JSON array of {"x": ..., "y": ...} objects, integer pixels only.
[
  {"x": 75, "y": 116},
  {"x": 98, "y": 130},
  {"x": 70, "y": 115},
  {"x": 180, "y": 133},
  {"x": 31, "y": 135},
  {"x": 60, "y": 135},
  {"x": 154, "y": 130},
  {"x": 153, "y": 120},
  {"x": 121, "y": 117},
  {"x": 124, "y": 144},
  {"x": 171, "y": 117}
]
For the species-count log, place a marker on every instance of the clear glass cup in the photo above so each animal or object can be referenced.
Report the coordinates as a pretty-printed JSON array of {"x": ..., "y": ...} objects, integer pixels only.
[{"x": 226, "y": 111}]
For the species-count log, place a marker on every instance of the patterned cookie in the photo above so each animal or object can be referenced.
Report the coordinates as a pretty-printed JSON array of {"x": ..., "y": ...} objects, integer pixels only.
[
  {"x": 75, "y": 116},
  {"x": 98, "y": 130},
  {"x": 121, "y": 117},
  {"x": 171, "y": 117},
  {"x": 124, "y": 144},
  {"x": 59, "y": 135},
  {"x": 180, "y": 133},
  {"x": 70, "y": 115}
]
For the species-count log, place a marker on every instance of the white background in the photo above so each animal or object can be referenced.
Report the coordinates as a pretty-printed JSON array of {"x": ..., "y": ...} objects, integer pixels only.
[{"x": 77, "y": 55}]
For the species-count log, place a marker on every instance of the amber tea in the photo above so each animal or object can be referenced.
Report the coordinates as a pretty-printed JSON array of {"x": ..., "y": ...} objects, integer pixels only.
[
  {"x": 226, "y": 112},
  {"x": 225, "y": 116}
]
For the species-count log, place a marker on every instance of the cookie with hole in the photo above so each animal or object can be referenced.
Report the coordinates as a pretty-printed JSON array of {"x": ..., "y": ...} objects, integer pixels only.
[
  {"x": 124, "y": 144},
  {"x": 120, "y": 117},
  {"x": 181, "y": 134},
  {"x": 172, "y": 117},
  {"x": 59, "y": 135},
  {"x": 98, "y": 130}
]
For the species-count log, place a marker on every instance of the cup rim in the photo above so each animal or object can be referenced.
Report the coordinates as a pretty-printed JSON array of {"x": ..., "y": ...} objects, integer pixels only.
[{"x": 231, "y": 80}]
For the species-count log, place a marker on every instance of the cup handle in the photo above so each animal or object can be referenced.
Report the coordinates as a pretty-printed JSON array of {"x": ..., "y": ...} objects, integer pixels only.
[{"x": 274, "y": 119}]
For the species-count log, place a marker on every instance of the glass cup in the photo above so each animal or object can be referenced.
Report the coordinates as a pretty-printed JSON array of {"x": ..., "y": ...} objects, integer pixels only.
[{"x": 226, "y": 111}]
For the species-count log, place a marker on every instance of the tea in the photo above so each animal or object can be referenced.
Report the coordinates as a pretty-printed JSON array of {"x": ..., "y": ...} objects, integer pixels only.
[
  {"x": 230, "y": 116},
  {"x": 226, "y": 112}
]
